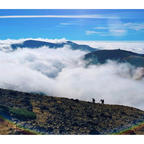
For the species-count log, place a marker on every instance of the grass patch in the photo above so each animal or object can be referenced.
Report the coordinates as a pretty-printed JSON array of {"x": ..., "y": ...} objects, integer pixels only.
[
  {"x": 22, "y": 114},
  {"x": 19, "y": 113}
]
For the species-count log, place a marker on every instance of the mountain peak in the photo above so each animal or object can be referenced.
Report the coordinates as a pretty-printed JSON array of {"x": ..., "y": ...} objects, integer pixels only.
[
  {"x": 101, "y": 57},
  {"x": 38, "y": 44}
]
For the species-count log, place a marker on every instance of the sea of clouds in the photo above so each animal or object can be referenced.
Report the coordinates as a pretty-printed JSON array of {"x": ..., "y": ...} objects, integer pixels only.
[
  {"x": 133, "y": 46},
  {"x": 61, "y": 72}
]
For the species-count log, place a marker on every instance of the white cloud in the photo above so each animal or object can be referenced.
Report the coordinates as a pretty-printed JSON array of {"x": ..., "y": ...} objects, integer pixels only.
[
  {"x": 88, "y": 32},
  {"x": 137, "y": 47},
  {"x": 66, "y": 23},
  {"x": 115, "y": 28},
  {"x": 117, "y": 32},
  {"x": 61, "y": 72},
  {"x": 134, "y": 26},
  {"x": 112, "y": 32},
  {"x": 73, "y": 22},
  {"x": 101, "y": 28},
  {"x": 57, "y": 16}
]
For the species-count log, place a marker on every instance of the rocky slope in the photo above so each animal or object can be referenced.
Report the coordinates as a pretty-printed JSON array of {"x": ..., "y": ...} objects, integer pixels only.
[{"x": 53, "y": 115}]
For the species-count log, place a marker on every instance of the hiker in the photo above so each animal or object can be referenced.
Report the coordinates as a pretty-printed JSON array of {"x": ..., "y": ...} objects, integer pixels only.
[
  {"x": 102, "y": 101},
  {"x": 93, "y": 100}
]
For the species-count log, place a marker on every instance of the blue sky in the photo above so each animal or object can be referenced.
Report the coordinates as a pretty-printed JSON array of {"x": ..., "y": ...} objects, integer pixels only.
[{"x": 84, "y": 24}]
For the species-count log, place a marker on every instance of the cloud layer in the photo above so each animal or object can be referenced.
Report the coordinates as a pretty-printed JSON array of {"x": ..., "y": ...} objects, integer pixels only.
[
  {"x": 61, "y": 72},
  {"x": 137, "y": 47}
]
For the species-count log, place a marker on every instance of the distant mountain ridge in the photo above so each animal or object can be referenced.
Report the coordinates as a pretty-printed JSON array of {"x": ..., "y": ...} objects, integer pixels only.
[
  {"x": 38, "y": 43},
  {"x": 101, "y": 57}
]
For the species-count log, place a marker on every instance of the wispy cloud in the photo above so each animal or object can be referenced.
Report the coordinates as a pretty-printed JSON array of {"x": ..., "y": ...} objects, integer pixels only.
[
  {"x": 101, "y": 28},
  {"x": 111, "y": 32},
  {"x": 56, "y": 16},
  {"x": 134, "y": 26},
  {"x": 88, "y": 32},
  {"x": 114, "y": 28},
  {"x": 78, "y": 22},
  {"x": 66, "y": 23},
  {"x": 118, "y": 32}
]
